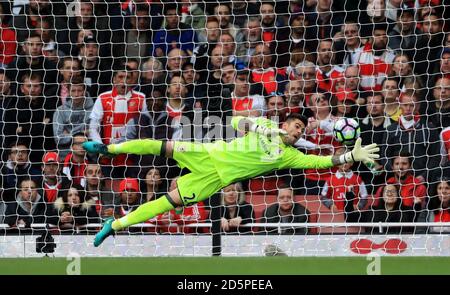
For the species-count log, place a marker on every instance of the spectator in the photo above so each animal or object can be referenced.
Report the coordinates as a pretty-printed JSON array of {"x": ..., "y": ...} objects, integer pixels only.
[
  {"x": 273, "y": 79},
  {"x": 75, "y": 162},
  {"x": 433, "y": 29},
  {"x": 15, "y": 169},
  {"x": 286, "y": 211},
  {"x": 139, "y": 37},
  {"x": 178, "y": 35},
  {"x": 412, "y": 189},
  {"x": 324, "y": 21},
  {"x": 32, "y": 60},
  {"x": 305, "y": 72},
  {"x": 345, "y": 192},
  {"x": 415, "y": 135},
  {"x": 98, "y": 191},
  {"x": 152, "y": 76},
  {"x": 241, "y": 10},
  {"x": 274, "y": 34},
  {"x": 28, "y": 17},
  {"x": 52, "y": 180},
  {"x": 300, "y": 38},
  {"x": 390, "y": 208},
  {"x": 31, "y": 117},
  {"x": 228, "y": 74},
  {"x": 155, "y": 124},
  {"x": 85, "y": 19},
  {"x": 177, "y": 107},
  {"x": 438, "y": 207},
  {"x": 445, "y": 150},
  {"x": 209, "y": 36},
  {"x": 402, "y": 71},
  {"x": 69, "y": 69},
  {"x": 223, "y": 13},
  {"x": 438, "y": 107},
  {"x": 97, "y": 70},
  {"x": 72, "y": 117},
  {"x": 347, "y": 43},
  {"x": 153, "y": 185},
  {"x": 391, "y": 94},
  {"x": 7, "y": 103},
  {"x": 406, "y": 37},
  {"x": 344, "y": 104},
  {"x": 296, "y": 101},
  {"x": 373, "y": 129},
  {"x": 8, "y": 44},
  {"x": 28, "y": 207},
  {"x": 245, "y": 104},
  {"x": 213, "y": 100},
  {"x": 79, "y": 41},
  {"x": 111, "y": 113},
  {"x": 229, "y": 47},
  {"x": 194, "y": 15},
  {"x": 175, "y": 61},
  {"x": 45, "y": 29},
  {"x": 235, "y": 211},
  {"x": 374, "y": 12},
  {"x": 132, "y": 65},
  {"x": 209, "y": 41},
  {"x": 73, "y": 209},
  {"x": 319, "y": 132},
  {"x": 276, "y": 107},
  {"x": 326, "y": 72},
  {"x": 190, "y": 77},
  {"x": 130, "y": 197},
  {"x": 252, "y": 36},
  {"x": 374, "y": 59}
]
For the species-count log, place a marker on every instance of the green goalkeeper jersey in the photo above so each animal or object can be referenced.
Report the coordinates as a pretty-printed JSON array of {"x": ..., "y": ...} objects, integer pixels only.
[{"x": 255, "y": 154}]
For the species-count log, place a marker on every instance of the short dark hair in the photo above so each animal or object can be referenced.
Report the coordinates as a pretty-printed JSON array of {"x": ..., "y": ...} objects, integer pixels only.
[
  {"x": 172, "y": 6},
  {"x": 81, "y": 193},
  {"x": 383, "y": 26},
  {"x": 373, "y": 94},
  {"x": 296, "y": 116},
  {"x": 65, "y": 59},
  {"x": 77, "y": 80},
  {"x": 33, "y": 34},
  {"x": 31, "y": 76},
  {"x": 404, "y": 154},
  {"x": 17, "y": 143},
  {"x": 187, "y": 64}
]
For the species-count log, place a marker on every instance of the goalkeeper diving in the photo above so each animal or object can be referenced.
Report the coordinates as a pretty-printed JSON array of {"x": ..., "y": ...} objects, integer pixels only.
[{"x": 212, "y": 166}]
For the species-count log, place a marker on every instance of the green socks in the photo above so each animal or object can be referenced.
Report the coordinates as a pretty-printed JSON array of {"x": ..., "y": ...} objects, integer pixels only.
[
  {"x": 137, "y": 147},
  {"x": 143, "y": 213}
]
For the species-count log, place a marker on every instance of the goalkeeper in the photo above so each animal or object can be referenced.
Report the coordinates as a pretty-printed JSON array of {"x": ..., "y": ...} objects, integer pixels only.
[{"x": 213, "y": 166}]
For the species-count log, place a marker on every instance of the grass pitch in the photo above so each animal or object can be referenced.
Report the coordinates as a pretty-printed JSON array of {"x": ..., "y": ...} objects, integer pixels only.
[{"x": 226, "y": 266}]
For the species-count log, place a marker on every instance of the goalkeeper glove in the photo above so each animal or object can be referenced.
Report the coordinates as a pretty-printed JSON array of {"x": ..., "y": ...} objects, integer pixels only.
[
  {"x": 365, "y": 154},
  {"x": 266, "y": 131}
]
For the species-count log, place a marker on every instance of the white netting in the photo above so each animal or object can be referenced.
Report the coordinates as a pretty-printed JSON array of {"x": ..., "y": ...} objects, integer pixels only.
[{"x": 113, "y": 71}]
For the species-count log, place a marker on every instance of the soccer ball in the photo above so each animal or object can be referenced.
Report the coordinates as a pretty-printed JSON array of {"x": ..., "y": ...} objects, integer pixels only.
[{"x": 346, "y": 131}]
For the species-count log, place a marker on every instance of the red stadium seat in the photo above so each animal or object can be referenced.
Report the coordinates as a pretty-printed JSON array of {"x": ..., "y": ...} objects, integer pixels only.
[{"x": 265, "y": 185}]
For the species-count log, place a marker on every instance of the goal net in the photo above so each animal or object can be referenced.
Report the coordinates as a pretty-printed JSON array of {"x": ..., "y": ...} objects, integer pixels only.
[{"x": 114, "y": 71}]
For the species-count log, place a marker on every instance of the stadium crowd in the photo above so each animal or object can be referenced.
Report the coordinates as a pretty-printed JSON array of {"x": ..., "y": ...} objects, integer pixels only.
[{"x": 111, "y": 71}]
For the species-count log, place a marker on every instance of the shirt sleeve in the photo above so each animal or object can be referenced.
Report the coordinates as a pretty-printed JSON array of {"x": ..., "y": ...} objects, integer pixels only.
[
  {"x": 95, "y": 119},
  {"x": 298, "y": 160}
]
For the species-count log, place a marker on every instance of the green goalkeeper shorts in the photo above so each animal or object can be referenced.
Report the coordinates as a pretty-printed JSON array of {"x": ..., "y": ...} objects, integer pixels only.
[{"x": 203, "y": 181}]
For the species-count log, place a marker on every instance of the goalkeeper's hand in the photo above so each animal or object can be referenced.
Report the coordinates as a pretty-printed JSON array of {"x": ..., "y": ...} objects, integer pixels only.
[
  {"x": 269, "y": 132},
  {"x": 365, "y": 154}
]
